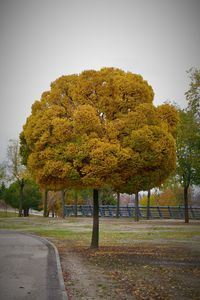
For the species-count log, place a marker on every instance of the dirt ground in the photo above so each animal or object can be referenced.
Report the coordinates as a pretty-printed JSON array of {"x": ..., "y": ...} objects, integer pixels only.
[{"x": 146, "y": 270}]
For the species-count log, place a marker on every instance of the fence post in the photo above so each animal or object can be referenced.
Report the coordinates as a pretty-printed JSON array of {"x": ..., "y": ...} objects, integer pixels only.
[
  {"x": 160, "y": 213},
  {"x": 170, "y": 212},
  {"x": 192, "y": 212}
]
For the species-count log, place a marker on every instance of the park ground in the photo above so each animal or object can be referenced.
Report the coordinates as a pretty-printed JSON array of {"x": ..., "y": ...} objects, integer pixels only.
[{"x": 155, "y": 259}]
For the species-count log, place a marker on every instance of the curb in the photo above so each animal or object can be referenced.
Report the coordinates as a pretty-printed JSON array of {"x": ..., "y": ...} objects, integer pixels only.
[
  {"x": 60, "y": 274},
  {"x": 59, "y": 269}
]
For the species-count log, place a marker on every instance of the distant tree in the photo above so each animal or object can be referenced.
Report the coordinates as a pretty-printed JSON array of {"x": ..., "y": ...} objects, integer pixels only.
[
  {"x": 188, "y": 154},
  {"x": 76, "y": 200},
  {"x": 2, "y": 189},
  {"x": 193, "y": 94},
  {"x": 31, "y": 196},
  {"x": 56, "y": 200},
  {"x": 106, "y": 196},
  {"x": 171, "y": 196},
  {"x": 86, "y": 196},
  {"x": 16, "y": 171},
  {"x": 3, "y": 178},
  {"x": 74, "y": 197},
  {"x": 99, "y": 129},
  {"x": 52, "y": 204},
  {"x": 2, "y": 172},
  {"x": 171, "y": 192},
  {"x": 154, "y": 200}
]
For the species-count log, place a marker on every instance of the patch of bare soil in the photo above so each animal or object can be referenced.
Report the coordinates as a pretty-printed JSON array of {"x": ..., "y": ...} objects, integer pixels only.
[{"x": 140, "y": 272}]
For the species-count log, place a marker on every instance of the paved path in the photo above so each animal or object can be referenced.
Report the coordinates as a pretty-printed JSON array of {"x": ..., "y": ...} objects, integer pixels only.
[{"x": 29, "y": 268}]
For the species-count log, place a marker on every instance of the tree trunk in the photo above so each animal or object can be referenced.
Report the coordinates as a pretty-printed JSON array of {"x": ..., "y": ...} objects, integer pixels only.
[
  {"x": 6, "y": 209},
  {"x": 26, "y": 212},
  {"x": 63, "y": 203},
  {"x": 136, "y": 208},
  {"x": 76, "y": 203},
  {"x": 186, "y": 204},
  {"x": 148, "y": 204},
  {"x": 95, "y": 229},
  {"x": 118, "y": 204},
  {"x": 45, "y": 213},
  {"x": 21, "y": 196}
]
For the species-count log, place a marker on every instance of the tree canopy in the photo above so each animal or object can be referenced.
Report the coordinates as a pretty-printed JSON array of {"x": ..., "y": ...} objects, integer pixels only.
[
  {"x": 97, "y": 128},
  {"x": 188, "y": 149}
]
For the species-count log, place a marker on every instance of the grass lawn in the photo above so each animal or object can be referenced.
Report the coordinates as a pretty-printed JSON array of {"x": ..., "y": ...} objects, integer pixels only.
[
  {"x": 155, "y": 259},
  {"x": 7, "y": 214}
]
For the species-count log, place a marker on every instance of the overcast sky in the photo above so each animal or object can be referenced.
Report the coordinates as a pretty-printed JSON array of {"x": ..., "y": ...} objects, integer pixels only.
[{"x": 44, "y": 39}]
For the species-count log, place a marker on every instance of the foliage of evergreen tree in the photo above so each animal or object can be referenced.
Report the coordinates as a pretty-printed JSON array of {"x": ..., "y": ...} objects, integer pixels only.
[{"x": 31, "y": 196}]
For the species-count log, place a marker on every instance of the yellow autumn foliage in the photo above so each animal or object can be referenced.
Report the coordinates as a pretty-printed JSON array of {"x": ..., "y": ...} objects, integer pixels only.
[
  {"x": 99, "y": 128},
  {"x": 86, "y": 120}
]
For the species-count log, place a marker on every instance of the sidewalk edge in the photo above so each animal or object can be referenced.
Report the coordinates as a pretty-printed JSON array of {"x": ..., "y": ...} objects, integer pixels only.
[{"x": 60, "y": 273}]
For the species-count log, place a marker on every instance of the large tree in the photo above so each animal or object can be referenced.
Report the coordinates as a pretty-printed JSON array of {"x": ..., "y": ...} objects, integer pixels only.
[{"x": 99, "y": 128}]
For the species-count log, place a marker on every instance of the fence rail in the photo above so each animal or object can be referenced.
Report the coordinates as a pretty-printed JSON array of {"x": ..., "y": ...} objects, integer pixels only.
[{"x": 155, "y": 212}]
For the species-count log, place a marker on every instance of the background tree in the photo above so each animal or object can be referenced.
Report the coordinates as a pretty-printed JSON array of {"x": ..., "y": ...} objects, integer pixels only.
[
  {"x": 16, "y": 171},
  {"x": 80, "y": 197},
  {"x": 106, "y": 196},
  {"x": 2, "y": 172},
  {"x": 171, "y": 192},
  {"x": 172, "y": 196},
  {"x": 99, "y": 129},
  {"x": 86, "y": 196},
  {"x": 56, "y": 200},
  {"x": 2, "y": 178},
  {"x": 31, "y": 196},
  {"x": 188, "y": 154},
  {"x": 154, "y": 199},
  {"x": 193, "y": 94},
  {"x": 2, "y": 189}
]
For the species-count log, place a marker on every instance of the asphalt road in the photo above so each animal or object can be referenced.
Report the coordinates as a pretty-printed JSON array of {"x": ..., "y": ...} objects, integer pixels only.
[{"x": 29, "y": 268}]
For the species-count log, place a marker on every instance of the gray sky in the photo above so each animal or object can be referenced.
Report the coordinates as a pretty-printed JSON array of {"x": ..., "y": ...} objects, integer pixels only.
[{"x": 44, "y": 39}]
